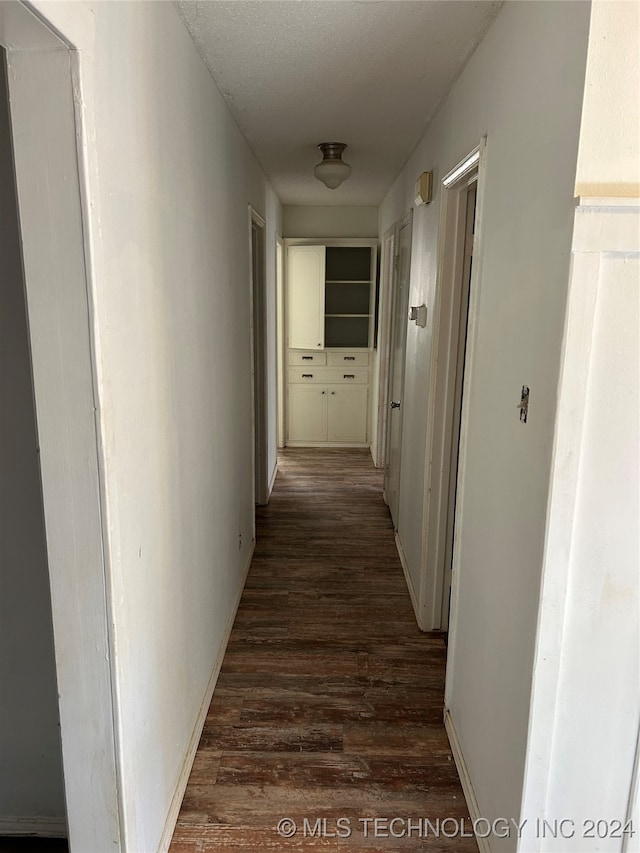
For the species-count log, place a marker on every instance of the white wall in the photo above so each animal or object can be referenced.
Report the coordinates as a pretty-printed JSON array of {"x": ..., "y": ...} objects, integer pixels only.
[
  {"x": 170, "y": 179},
  {"x": 329, "y": 221},
  {"x": 31, "y": 787},
  {"x": 586, "y": 698},
  {"x": 172, "y": 298},
  {"x": 528, "y": 104},
  {"x": 609, "y": 156}
]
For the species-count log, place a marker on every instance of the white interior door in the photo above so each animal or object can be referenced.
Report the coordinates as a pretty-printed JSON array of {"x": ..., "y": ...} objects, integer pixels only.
[{"x": 396, "y": 383}]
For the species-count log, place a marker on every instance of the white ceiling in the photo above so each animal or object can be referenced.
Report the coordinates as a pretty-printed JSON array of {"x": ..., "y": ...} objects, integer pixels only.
[{"x": 366, "y": 72}]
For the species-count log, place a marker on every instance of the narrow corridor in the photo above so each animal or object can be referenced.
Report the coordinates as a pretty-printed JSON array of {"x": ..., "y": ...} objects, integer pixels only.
[{"x": 328, "y": 709}]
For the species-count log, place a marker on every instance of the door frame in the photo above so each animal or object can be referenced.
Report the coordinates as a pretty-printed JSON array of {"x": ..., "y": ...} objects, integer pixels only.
[
  {"x": 328, "y": 242},
  {"x": 385, "y": 305},
  {"x": 51, "y": 105},
  {"x": 434, "y": 575},
  {"x": 280, "y": 341},
  {"x": 258, "y": 337}
]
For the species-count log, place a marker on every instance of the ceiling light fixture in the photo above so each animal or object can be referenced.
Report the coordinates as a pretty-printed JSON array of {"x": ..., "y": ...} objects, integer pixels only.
[{"x": 333, "y": 170}]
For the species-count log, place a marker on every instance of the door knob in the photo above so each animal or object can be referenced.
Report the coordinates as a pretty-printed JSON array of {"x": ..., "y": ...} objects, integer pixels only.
[{"x": 394, "y": 405}]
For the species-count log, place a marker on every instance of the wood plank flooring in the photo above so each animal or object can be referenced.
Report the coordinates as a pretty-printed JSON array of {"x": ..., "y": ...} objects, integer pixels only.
[{"x": 328, "y": 709}]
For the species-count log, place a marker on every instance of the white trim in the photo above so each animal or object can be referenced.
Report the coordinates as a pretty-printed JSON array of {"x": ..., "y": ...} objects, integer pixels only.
[
  {"x": 272, "y": 480},
  {"x": 192, "y": 748},
  {"x": 474, "y": 308},
  {"x": 465, "y": 779},
  {"x": 631, "y": 816},
  {"x": 257, "y": 322},
  {"x": 42, "y": 827},
  {"x": 328, "y": 444},
  {"x": 614, "y": 202},
  {"x": 444, "y": 361},
  {"x": 385, "y": 303},
  {"x": 607, "y": 228},
  {"x": 68, "y": 408},
  {"x": 464, "y": 167},
  {"x": 257, "y": 218},
  {"x": 330, "y": 241},
  {"x": 407, "y": 577},
  {"x": 281, "y": 347}
]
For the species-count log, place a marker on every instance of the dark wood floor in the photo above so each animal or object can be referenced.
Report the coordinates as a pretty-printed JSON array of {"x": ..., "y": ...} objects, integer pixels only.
[{"x": 329, "y": 702}]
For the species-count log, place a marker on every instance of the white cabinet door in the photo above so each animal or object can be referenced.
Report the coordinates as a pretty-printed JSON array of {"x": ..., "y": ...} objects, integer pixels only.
[
  {"x": 347, "y": 414},
  {"x": 307, "y": 416},
  {"x": 305, "y": 296}
]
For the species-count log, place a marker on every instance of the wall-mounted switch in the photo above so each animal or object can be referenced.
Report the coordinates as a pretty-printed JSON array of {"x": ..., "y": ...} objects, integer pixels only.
[{"x": 523, "y": 405}]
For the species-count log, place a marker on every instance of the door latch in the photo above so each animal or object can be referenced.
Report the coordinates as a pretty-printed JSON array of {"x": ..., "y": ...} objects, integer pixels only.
[{"x": 394, "y": 405}]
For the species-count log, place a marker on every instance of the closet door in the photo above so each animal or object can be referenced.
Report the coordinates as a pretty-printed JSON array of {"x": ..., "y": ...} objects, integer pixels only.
[
  {"x": 307, "y": 418},
  {"x": 305, "y": 296},
  {"x": 347, "y": 414}
]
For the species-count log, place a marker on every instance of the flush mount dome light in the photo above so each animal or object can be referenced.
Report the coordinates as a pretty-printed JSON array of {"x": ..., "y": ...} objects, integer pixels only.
[{"x": 333, "y": 170}]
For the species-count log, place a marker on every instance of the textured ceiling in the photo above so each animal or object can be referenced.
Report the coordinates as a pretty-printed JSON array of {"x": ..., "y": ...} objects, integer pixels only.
[{"x": 300, "y": 72}]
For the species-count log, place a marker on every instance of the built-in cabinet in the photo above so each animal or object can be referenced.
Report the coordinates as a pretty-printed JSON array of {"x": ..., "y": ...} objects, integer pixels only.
[{"x": 330, "y": 335}]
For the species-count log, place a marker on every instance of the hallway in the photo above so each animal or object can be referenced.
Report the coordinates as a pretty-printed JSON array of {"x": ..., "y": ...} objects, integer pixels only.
[{"x": 329, "y": 703}]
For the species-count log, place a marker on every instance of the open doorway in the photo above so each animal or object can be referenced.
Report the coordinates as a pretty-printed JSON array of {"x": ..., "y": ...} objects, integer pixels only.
[
  {"x": 467, "y": 203},
  {"x": 47, "y": 115},
  {"x": 31, "y": 782},
  {"x": 457, "y": 285}
]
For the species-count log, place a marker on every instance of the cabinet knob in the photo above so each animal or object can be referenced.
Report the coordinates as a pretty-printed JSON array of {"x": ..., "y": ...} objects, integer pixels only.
[
  {"x": 318, "y": 345},
  {"x": 333, "y": 392}
]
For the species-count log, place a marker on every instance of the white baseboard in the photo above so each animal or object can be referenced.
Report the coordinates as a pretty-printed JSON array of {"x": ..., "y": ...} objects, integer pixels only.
[
  {"x": 328, "y": 444},
  {"x": 465, "y": 779},
  {"x": 183, "y": 778},
  {"x": 407, "y": 577},
  {"x": 43, "y": 827},
  {"x": 272, "y": 481}
]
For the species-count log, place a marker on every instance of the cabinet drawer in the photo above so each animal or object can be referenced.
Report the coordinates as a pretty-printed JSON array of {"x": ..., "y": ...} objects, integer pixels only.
[
  {"x": 348, "y": 359},
  {"x": 346, "y": 375},
  {"x": 307, "y": 374},
  {"x": 302, "y": 357}
]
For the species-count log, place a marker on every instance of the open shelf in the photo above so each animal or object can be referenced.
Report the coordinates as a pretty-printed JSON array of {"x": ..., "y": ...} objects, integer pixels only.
[{"x": 346, "y": 331}]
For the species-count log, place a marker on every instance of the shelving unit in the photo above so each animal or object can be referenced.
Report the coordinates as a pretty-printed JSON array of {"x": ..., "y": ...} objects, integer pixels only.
[
  {"x": 330, "y": 322},
  {"x": 347, "y": 310}
]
